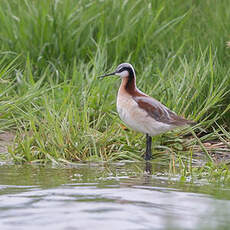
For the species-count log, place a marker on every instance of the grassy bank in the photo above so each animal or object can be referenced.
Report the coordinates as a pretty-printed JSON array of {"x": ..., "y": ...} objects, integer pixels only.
[{"x": 53, "y": 51}]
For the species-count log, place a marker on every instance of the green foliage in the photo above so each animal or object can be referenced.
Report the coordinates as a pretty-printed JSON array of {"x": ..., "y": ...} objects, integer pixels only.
[{"x": 51, "y": 53}]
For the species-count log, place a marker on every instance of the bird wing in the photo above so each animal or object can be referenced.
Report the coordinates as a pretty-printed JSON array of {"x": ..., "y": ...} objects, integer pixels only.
[{"x": 160, "y": 112}]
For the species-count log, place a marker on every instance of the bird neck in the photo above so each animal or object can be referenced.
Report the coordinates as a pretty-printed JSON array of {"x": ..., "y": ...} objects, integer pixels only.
[{"x": 128, "y": 84}]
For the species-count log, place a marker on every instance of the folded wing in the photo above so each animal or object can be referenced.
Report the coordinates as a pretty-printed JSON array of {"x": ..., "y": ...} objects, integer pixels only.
[{"x": 160, "y": 112}]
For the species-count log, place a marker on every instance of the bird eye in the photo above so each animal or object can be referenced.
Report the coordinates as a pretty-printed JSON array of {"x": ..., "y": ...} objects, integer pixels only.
[{"x": 120, "y": 70}]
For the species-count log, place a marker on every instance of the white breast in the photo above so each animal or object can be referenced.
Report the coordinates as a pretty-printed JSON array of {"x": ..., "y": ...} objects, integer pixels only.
[{"x": 137, "y": 119}]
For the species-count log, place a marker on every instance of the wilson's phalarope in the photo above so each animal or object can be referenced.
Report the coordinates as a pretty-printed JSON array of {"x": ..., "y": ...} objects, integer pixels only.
[{"x": 141, "y": 112}]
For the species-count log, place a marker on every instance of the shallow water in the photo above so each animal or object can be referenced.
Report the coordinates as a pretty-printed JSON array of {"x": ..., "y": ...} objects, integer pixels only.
[{"x": 107, "y": 196}]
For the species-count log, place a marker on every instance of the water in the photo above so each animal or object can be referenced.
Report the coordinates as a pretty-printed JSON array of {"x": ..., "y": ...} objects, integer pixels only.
[{"x": 107, "y": 196}]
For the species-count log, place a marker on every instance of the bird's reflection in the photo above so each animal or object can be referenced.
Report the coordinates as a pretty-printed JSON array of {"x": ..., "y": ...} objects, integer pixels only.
[{"x": 147, "y": 173}]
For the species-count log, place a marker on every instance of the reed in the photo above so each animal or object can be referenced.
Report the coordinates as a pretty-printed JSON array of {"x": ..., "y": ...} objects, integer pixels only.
[{"x": 52, "y": 52}]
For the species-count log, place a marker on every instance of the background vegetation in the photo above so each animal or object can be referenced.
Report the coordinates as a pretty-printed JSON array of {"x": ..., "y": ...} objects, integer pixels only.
[{"x": 51, "y": 53}]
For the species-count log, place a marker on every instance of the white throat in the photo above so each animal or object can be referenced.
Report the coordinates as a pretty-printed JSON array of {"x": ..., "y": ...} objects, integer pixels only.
[{"x": 123, "y": 74}]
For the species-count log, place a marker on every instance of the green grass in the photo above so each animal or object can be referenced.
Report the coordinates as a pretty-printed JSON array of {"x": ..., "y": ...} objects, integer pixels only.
[{"x": 51, "y": 53}]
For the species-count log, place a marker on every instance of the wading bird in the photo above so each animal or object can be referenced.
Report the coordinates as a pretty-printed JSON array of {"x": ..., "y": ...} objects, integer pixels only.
[{"x": 141, "y": 112}]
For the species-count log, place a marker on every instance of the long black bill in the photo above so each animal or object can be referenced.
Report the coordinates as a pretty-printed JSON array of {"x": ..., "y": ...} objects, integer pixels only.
[{"x": 108, "y": 74}]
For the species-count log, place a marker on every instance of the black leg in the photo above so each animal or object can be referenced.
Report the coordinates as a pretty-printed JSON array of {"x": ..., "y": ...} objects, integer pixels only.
[{"x": 148, "y": 154}]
